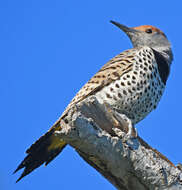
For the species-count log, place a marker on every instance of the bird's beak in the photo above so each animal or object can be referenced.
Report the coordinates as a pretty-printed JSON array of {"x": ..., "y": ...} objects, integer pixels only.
[{"x": 129, "y": 31}]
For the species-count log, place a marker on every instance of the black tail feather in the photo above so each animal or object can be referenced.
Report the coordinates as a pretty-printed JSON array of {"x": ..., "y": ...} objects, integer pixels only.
[{"x": 42, "y": 151}]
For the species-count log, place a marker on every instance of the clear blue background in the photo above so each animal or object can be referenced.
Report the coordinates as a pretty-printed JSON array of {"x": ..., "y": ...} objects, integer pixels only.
[{"x": 48, "y": 50}]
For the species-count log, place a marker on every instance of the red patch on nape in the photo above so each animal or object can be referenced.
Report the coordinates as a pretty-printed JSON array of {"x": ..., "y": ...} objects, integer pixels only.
[{"x": 146, "y": 27}]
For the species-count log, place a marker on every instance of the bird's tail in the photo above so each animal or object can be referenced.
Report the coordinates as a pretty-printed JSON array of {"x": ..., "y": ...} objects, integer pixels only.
[{"x": 44, "y": 150}]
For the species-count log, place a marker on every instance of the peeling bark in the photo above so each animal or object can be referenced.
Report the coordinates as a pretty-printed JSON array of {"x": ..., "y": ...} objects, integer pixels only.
[{"x": 99, "y": 135}]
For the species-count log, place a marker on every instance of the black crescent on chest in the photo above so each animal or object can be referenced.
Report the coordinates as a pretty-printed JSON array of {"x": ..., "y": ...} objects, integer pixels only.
[{"x": 163, "y": 66}]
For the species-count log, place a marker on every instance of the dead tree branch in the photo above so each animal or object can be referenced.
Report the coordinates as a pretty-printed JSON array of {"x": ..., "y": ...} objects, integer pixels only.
[{"x": 100, "y": 138}]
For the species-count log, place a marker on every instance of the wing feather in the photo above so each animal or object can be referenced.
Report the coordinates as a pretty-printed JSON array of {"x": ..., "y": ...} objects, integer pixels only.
[{"x": 110, "y": 72}]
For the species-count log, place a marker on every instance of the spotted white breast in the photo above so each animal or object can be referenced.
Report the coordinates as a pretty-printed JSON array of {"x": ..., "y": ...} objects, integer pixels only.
[{"x": 138, "y": 91}]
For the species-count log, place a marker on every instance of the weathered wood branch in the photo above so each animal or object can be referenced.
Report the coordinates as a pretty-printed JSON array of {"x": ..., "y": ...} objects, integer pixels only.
[{"x": 99, "y": 135}]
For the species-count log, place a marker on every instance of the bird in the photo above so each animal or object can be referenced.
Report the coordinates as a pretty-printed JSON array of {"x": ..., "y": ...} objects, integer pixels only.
[{"x": 131, "y": 83}]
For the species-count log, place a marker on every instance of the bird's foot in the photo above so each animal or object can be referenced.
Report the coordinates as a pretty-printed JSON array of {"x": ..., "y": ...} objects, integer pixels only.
[{"x": 132, "y": 131}]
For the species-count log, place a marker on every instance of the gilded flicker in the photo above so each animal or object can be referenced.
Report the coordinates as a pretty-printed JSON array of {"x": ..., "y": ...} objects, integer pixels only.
[{"x": 132, "y": 83}]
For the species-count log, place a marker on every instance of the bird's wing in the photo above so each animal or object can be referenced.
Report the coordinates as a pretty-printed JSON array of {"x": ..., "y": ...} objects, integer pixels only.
[{"x": 110, "y": 72}]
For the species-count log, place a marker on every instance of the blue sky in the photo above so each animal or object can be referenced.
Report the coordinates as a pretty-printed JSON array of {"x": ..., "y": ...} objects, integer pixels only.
[{"x": 49, "y": 49}]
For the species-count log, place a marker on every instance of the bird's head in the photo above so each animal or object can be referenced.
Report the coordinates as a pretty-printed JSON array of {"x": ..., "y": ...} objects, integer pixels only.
[{"x": 147, "y": 35}]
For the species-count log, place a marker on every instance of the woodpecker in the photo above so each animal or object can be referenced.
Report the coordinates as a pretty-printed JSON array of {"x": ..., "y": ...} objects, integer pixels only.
[{"x": 132, "y": 83}]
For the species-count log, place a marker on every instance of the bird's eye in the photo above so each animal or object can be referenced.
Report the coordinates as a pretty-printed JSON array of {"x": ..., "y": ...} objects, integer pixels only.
[{"x": 149, "y": 30}]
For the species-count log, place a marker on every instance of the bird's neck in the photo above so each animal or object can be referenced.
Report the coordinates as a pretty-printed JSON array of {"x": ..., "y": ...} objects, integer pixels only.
[{"x": 166, "y": 52}]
